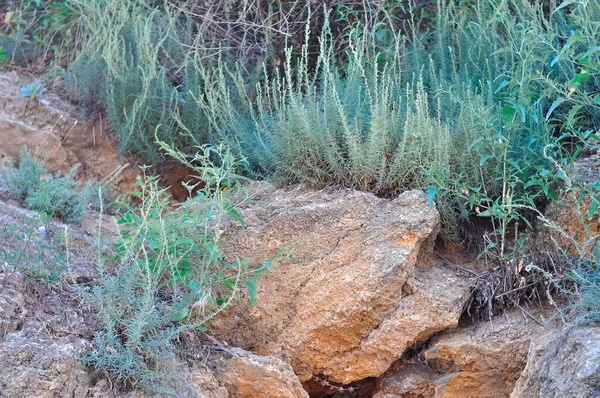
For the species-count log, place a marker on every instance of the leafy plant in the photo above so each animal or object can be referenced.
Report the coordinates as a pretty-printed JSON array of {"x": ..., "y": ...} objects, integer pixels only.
[
  {"x": 361, "y": 124},
  {"x": 23, "y": 180},
  {"x": 33, "y": 91},
  {"x": 168, "y": 273},
  {"x": 62, "y": 197},
  {"x": 39, "y": 33}
]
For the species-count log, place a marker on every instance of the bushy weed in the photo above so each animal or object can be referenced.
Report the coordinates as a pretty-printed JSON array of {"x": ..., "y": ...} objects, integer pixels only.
[
  {"x": 168, "y": 273},
  {"x": 61, "y": 197}
]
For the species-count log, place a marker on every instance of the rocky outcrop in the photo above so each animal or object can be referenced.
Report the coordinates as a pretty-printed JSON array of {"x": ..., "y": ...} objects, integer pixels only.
[
  {"x": 48, "y": 247},
  {"x": 43, "y": 334},
  {"x": 361, "y": 290},
  {"x": 43, "y": 330},
  {"x": 569, "y": 218},
  {"x": 246, "y": 375},
  {"x": 483, "y": 360},
  {"x": 564, "y": 364}
]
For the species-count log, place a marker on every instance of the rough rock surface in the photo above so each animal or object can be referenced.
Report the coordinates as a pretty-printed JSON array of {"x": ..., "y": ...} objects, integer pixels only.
[
  {"x": 354, "y": 299},
  {"x": 575, "y": 224},
  {"x": 41, "y": 335},
  {"x": 82, "y": 256},
  {"x": 43, "y": 330},
  {"x": 564, "y": 364},
  {"x": 483, "y": 360},
  {"x": 52, "y": 132},
  {"x": 246, "y": 375}
]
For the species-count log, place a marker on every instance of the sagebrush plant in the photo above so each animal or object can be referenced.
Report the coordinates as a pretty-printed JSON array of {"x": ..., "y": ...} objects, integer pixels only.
[
  {"x": 137, "y": 59},
  {"x": 334, "y": 106},
  {"x": 168, "y": 272},
  {"x": 490, "y": 73},
  {"x": 361, "y": 124},
  {"x": 39, "y": 190},
  {"x": 23, "y": 180}
]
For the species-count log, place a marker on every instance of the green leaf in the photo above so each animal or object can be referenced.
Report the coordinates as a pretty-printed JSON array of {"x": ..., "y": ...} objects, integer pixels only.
[
  {"x": 532, "y": 183},
  {"x": 563, "y": 5},
  {"x": 508, "y": 113},
  {"x": 554, "y": 105},
  {"x": 581, "y": 197},
  {"x": 571, "y": 119},
  {"x": 154, "y": 244},
  {"x": 431, "y": 192},
  {"x": 550, "y": 194},
  {"x": 251, "y": 285},
  {"x": 593, "y": 207},
  {"x": 233, "y": 213},
  {"x": 591, "y": 134},
  {"x": 578, "y": 78},
  {"x": 194, "y": 285},
  {"x": 182, "y": 315},
  {"x": 185, "y": 242},
  {"x": 33, "y": 90},
  {"x": 526, "y": 221},
  {"x": 484, "y": 159},
  {"x": 575, "y": 38},
  {"x": 486, "y": 213},
  {"x": 583, "y": 57},
  {"x": 503, "y": 84},
  {"x": 475, "y": 143},
  {"x": 578, "y": 151},
  {"x": 381, "y": 34}
]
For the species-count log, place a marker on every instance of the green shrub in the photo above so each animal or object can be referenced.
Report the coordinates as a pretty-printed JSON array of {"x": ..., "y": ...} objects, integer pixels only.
[
  {"x": 363, "y": 124},
  {"x": 578, "y": 256},
  {"x": 61, "y": 197},
  {"x": 134, "y": 65},
  {"x": 24, "y": 180},
  {"x": 137, "y": 60},
  {"x": 445, "y": 108},
  {"x": 169, "y": 273},
  {"x": 382, "y": 106}
]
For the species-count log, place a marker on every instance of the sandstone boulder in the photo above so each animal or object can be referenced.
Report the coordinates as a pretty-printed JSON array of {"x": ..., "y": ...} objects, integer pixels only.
[
  {"x": 564, "y": 364},
  {"x": 353, "y": 300},
  {"x": 49, "y": 248},
  {"x": 479, "y": 361},
  {"x": 571, "y": 217},
  {"x": 247, "y": 375}
]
